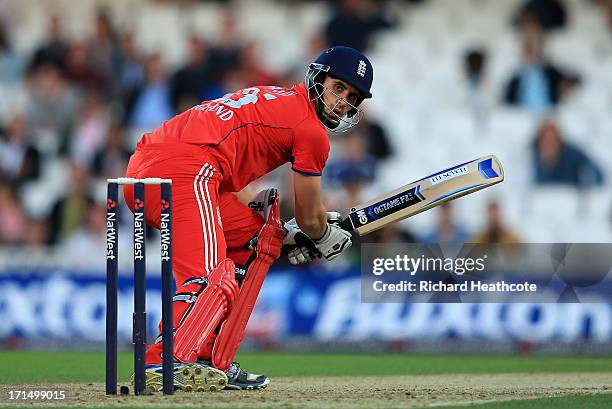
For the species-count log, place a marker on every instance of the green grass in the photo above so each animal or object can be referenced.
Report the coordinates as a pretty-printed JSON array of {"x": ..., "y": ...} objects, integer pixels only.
[
  {"x": 403, "y": 364},
  {"x": 603, "y": 401},
  {"x": 56, "y": 367},
  {"x": 81, "y": 367}
]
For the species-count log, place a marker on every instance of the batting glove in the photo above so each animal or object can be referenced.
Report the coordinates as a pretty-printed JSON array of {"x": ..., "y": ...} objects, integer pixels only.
[
  {"x": 335, "y": 240},
  {"x": 303, "y": 249}
]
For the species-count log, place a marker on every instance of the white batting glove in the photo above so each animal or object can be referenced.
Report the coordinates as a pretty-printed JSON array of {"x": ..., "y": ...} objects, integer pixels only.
[
  {"x": 292, "y": 228},
  {"x": 302, "y": 255},
  {"x": 335, "y": 240},
  {"x": 306, "y": 250},
  {"x": 303, "y": 249}
]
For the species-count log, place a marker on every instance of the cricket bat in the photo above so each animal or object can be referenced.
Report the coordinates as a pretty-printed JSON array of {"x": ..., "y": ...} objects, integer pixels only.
[{"x": 424, "y": 194}]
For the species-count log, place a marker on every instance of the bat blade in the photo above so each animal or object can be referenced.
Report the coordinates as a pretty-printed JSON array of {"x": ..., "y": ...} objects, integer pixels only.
[{"x": 424, "y": 194}]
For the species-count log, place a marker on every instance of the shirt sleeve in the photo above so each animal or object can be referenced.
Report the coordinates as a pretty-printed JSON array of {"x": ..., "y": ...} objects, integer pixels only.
[{"x": 310, "y": 149}]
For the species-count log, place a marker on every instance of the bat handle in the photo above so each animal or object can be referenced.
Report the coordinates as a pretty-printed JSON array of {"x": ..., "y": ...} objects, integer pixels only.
[{"x": 347, "y": 224}]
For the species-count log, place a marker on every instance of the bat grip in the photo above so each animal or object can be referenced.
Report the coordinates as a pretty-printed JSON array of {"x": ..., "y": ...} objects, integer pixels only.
[{"x": 346, "y": 224}]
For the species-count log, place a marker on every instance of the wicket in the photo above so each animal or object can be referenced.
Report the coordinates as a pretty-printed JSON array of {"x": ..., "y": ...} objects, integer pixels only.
[{"x": 139, "y": 336}]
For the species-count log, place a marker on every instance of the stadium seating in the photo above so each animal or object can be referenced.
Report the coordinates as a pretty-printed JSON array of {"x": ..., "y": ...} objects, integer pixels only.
[{"x": 418, "y": 93}]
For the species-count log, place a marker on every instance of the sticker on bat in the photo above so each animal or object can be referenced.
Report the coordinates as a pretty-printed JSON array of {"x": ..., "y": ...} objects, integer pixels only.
[
  {"x": 392, "y": 204},
  {"x": 449, "y": 174}
]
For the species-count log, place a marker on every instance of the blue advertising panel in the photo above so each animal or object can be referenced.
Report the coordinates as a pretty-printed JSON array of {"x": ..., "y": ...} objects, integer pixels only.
[{"x": 69, "y": 306}]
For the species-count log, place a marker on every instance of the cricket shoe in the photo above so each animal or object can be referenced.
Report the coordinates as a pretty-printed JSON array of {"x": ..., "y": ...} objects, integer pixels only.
[
  {"x": 187, "y": 377},
  {"x": 239, "y": 379}
]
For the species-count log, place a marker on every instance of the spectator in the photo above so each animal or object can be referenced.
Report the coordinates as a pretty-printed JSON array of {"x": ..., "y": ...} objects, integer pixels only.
[
  {"x": 355, "y": 165},
  {"x": 12, "y": 218},
  {"x": 11, "y": 75},
  {"x": 351, "y": 171},
  {"x": 10, "y": 63},
  {"x": 90, "y": 237},
  {"x": 474, "y": 63},
  {"x": 36, "y": 236},
  {"x": 538, "y": 85},
  {"x": 51, "y": 102},
  {"x": 189, "y": 83},
  {"x": 69, "y": 212},
  {"x": 226, "y": 53},
  {"x": 605, "y": 8},
  {"x": 608, "y": 11},
  {"x": 558, "y": 161},
  {"x": 131, "y": 68},
  {"x": 477, "y": 89},
  {"x": 348, "y": 193},
  {"x": 103, "y": 49},
  {"x": 111, "y": 160},
  {"x": 376, "y": 139},
  {"x": 495, "y": 231},
  {"x": 90, "y": 129},
  {"x": 546, "y": 14},
  {"x": 53, "y": 52},
  {"x": 232, "y": 79},
  {"x": 151, "y": 105},
  {"x": 447, "y": 231},
  {"x": 354, "y": 21},
  {"x": 19, "y": 159},
  {"x": 79, "y": 69}
]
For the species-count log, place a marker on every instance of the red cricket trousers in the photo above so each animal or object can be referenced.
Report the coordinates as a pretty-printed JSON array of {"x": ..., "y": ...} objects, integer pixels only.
[{"x": 205, "y": 223}]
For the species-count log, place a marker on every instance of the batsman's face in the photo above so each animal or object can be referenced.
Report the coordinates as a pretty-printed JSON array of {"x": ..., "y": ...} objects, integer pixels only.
[{"x": 339, "y": 96}]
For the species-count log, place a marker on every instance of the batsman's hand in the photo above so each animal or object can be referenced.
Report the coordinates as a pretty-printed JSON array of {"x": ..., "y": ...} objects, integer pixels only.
[
  {"x": 334, "y": 241},
  {"x": 292, "y": 230},
  {"x": 301, "y": 248},
  {"x": 303, "y": 254}
]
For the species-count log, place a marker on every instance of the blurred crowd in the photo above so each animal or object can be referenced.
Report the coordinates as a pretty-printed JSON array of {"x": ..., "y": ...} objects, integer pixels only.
[{"x": 83, "y": 103}]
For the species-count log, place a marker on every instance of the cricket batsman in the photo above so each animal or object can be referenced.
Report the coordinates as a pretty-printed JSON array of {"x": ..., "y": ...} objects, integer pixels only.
[{"x": 225, "y": 238}]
